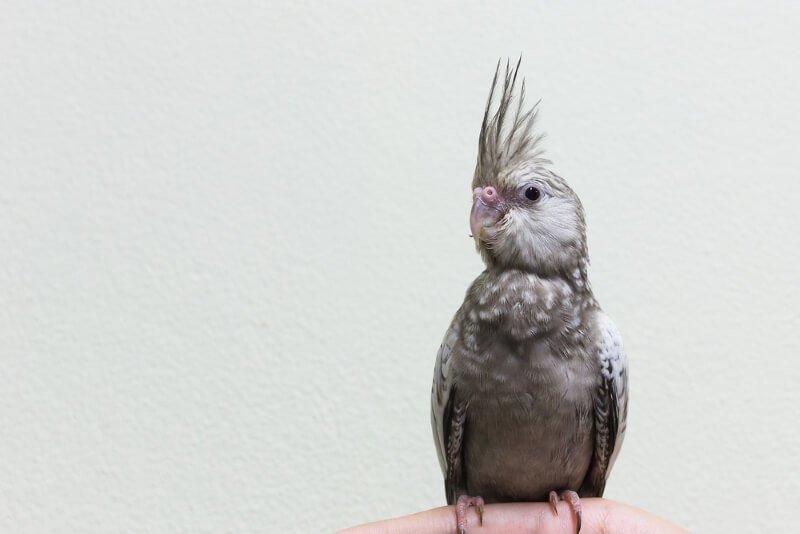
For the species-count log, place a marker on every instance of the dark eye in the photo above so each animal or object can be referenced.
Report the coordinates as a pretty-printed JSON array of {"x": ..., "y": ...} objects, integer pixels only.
[{"x": 533, "y": 193}]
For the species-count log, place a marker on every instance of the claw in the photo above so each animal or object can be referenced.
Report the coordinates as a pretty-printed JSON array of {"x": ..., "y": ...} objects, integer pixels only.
[
  {"x": 553, "y": 500},
  {"x": 574, "y": 502},
  {"x": 464, "y": 502}
]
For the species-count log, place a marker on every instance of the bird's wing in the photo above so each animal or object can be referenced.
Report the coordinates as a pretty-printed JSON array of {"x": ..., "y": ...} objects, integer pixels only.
[
  {"x": 448, "y": 415},
  {"x": 610, "y": 406}
]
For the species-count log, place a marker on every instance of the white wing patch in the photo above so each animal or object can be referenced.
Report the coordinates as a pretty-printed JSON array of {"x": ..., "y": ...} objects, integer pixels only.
[
  {"x": 613, "y": 362},
  {"x": 614, "y": 368},
  {"x": 440, "y": 393}
]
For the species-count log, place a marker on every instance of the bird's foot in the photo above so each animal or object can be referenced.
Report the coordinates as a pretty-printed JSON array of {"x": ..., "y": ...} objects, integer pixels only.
[
  {"x": 574, "y": 502},
  {"x": 462, "y": 505}
]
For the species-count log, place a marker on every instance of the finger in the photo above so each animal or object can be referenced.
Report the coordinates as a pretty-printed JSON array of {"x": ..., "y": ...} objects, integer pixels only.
[{"x": 600, "y": 516}]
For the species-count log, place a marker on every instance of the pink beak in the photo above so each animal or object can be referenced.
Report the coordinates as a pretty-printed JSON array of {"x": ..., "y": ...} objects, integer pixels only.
[{"x": 486, "y": 212}]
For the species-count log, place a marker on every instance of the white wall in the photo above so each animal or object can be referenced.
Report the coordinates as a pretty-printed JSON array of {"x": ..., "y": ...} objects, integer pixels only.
[{"x": 233, "y": 235}]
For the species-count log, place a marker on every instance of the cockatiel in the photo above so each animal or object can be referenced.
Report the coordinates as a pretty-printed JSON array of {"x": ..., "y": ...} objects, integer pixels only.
[{"x": 530, "y": 392}]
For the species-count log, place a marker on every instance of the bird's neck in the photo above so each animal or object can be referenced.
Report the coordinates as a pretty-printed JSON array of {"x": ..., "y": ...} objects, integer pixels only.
[{"x": 576, "y": 276}]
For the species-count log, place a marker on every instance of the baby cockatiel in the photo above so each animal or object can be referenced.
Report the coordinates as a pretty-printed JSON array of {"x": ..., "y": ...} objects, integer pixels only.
[{"x": 530, "y": 390}]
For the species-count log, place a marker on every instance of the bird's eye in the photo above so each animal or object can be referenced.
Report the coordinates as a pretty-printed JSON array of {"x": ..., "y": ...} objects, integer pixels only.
[{"x": 533, "y": 193}]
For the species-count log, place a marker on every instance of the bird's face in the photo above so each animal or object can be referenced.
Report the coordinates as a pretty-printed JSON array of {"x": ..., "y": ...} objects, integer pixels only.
[{"x": 528, "y": 219}]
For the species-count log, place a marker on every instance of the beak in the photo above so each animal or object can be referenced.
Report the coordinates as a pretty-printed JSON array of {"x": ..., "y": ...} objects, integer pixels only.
[{"x": 486, "y": 213}]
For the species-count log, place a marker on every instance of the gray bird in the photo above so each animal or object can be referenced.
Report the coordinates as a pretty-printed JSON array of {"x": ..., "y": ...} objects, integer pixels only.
[{"x": 530, "y": 394}]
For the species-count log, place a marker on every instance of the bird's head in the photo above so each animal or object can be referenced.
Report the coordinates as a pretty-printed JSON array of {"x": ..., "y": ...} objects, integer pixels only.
[{"x": 523, "y": 216}]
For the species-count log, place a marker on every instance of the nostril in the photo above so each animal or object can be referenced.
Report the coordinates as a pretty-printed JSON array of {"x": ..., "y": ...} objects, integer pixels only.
[{"x": 489, "y": 193}]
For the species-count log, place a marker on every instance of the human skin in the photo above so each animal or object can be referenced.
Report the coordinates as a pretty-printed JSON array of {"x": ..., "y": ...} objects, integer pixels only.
[{"x": 600, "y": 516}]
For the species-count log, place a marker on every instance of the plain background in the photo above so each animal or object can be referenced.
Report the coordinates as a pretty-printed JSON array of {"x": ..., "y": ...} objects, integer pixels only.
[{"x": 233, "y": 235}]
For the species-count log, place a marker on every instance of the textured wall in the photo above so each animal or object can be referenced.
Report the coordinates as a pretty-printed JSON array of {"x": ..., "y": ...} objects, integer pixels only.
[{"x": 233, "y": 235}]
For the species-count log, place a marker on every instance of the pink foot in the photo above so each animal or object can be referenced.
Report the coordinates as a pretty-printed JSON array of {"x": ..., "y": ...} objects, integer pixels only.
[
  {"x": 463, "y": 503},
  {"x": 574, "y": 501}
]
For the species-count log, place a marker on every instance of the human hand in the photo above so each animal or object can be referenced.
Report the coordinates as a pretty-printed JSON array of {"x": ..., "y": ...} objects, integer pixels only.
[{"x": 600, "y": 516}]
